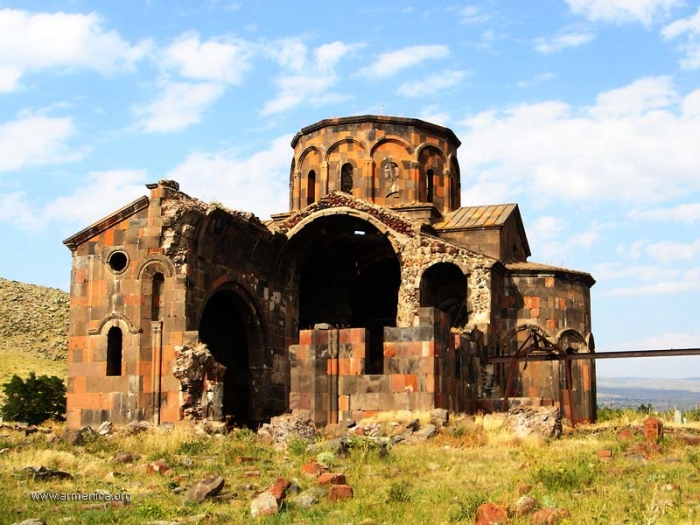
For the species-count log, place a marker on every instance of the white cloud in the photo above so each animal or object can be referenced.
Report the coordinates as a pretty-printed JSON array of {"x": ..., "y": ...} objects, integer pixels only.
[
  {"x": 687, "y": 213},
  {"x": 432, "y": 83},
  {"x": 690, "y": 28},
  {"x": 307, "y": 80},
  {"x": 566, "y": 38},
  {"x": 672, "y": 251},
  {"x": 102, "y": 193},
  {"x": 620, "y": 11},
  {"x": 31, "y": 42},
  {"x": 536, "y": 80},
  {"x": 434, "y": 115},
  {"x": 638, "y": 151},
  {"x": 35, "y": 140},
  {"x": 644, "y": 273},
  {"x": 222, "y": 59},
  {"x": 179, "y": 105},
  {"x": 15, "y": 209},
  {"x": 259, "y": 183},
  {"x": 639, "y": 97},
  {"x": 472, "y": 15},
  {"x": 388, "y": 64}
]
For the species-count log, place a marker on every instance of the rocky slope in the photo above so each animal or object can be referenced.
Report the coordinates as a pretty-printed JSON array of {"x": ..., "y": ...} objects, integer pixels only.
[{"x": 33, "y": 320}]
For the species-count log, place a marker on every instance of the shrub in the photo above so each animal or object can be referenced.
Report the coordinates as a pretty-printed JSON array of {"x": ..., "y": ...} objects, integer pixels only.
[{"x": 35, "y": 399}]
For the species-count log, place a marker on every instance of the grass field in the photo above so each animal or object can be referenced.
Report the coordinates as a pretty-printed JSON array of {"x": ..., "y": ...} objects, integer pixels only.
[{"x": 438, "y": 481}]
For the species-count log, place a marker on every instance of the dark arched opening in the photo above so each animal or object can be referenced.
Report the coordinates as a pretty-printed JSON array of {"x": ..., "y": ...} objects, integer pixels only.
[
  {"x": 157, "y": 297},
  {"x": 230, "y": 330},
  {"x": 350, "y": 277},
  {"x": 444, "y": 286},
  {"x": 429, "y": 186},
  {"x": 346, "y": 178},
  {"x": 114, "y": 351},
  {"x": 311, "y": 188}
]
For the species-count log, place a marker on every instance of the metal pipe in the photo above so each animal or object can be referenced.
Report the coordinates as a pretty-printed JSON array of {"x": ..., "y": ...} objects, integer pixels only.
[{"x": 600, "y": 355}]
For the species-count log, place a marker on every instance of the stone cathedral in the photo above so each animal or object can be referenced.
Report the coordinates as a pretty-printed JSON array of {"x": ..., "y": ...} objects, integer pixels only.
[{"x": 376, "y": 291}]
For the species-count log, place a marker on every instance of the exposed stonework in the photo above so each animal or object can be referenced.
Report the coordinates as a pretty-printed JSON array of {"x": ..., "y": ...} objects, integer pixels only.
[{"x": 415, "y": 293}]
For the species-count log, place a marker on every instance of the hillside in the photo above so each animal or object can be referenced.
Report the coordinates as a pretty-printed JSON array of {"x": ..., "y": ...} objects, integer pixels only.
[{"x": 33, "y": 329}]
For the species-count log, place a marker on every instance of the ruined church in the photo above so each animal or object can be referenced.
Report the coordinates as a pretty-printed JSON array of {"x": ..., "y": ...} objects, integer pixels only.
[{"x": 376, "y": 291}]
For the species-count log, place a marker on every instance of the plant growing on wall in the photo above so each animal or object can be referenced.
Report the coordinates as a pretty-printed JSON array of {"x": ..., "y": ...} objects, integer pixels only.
[{"x": 35, "y": 399}]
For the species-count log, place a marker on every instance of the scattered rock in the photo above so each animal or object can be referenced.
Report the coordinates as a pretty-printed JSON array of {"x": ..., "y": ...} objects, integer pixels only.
[
  {"x": 136, "y": 427},
  {"x": 427, "y": 431},
  {"x": 491, "y": 514},
  {"x": 125, "y": 457},
  {"x": 285, "y": 426},
  {"x": 689, "y": 439},
  {"x": 330, "y": 478},
  {"x": 304, "y": 501},
  {"x": 653, "y": 430},
  {"x": 159, "y": 467},
  {"x": 439, "y": 417},
  {"x": 202, "y": 490},
  {"x": 549, "y": 516},
  {"x": 75, "y": 437},
  {"x": 625, "y": 435},
  {"x": 279, "y": 489},
  {"x": 264, "y": 505},
  {"x": 105, "y": 428},
  {"x": 313, "y": 469},
  {"x": 340, "y": 492},
  {"x": 413, "y": 425},
  {"x": 544, "y": 422},
  {"x": 605, "y": 454},
  {"x": 523, "y": 506},
  {"x": 43, "y": 473},
  {"x": 32, "y": 521}
]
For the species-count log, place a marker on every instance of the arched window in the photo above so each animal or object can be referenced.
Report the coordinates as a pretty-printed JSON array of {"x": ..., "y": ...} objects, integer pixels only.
[
  {"x": 157, "y": 297},
  {"x": 114, "y": 352},
  {"x": 346, "y": 178},
  {"x": 311, "y": 188},
  {"x": 429, "y": 186},
  {"x": 444, "y": 286}
]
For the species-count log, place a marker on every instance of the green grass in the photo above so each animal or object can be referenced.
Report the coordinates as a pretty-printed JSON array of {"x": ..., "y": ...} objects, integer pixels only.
[{"x": 440, "y": 481}]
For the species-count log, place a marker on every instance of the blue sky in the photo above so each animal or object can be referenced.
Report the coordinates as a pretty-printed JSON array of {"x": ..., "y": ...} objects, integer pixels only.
[{"x": 585, "y": 112}]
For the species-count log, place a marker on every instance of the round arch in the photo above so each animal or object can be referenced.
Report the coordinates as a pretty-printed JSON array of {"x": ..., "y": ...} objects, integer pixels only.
[
  {"x": 392, "y": 140},
  {"x": 232, "y": 327},
  {"x": 444, "y": 286},
  {"x": 333, "y": 147}
]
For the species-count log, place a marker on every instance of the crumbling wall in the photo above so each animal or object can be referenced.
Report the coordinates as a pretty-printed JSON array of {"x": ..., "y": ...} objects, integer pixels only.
[{"x": 201, "y": 378}]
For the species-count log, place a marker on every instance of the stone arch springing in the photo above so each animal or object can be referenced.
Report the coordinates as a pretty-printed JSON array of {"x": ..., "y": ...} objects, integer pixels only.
[
  {"x": 444, "y": 286},
  {"x": 115, "y": 347}
]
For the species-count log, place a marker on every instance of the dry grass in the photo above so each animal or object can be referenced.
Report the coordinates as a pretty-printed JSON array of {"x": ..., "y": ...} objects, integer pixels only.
[{"x": 440, "y": 481}]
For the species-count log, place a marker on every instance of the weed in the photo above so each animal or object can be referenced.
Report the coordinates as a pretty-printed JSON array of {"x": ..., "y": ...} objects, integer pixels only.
[
  {"x": 574, "y": 474},
  {"x": 192, "y": 448},
  {"x": 297, "y": 446},
  {"x": 398, "y": 493},
  {"x": 466, "y": 507}
]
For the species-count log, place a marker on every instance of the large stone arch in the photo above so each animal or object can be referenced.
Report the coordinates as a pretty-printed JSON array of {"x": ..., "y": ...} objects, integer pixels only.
[
  {"x": 231, "y": 324},
  {"x": 443, "y": 285}
]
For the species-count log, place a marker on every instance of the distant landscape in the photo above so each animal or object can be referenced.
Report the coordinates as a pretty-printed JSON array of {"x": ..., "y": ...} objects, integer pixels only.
[
  {"x": 34, "y": 324},
  {"x": 662, "y": 394}
]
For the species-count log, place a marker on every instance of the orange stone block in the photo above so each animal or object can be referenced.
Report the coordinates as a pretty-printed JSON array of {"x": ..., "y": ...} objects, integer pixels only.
[
  {"x": 390, "y": 349},
  {"x": 411, "y": 381},
  {"x": 562, "y": 304},
  {"x": 531, "y": 301},
  {"x": 344, "y": 367},
  {"x": 79, "y": 385},
  {"x": 332, "y": 367},
  {"x": 302, "y": 352},
  {"x": 398, "y": 382},
  {"x": 305, "y": 337},
  {"x": 343, "y": 403},
  {"x": 357, "y": 366},
  {"x": 551, "y": 324},
  {"x": 549, "y": 282}
]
